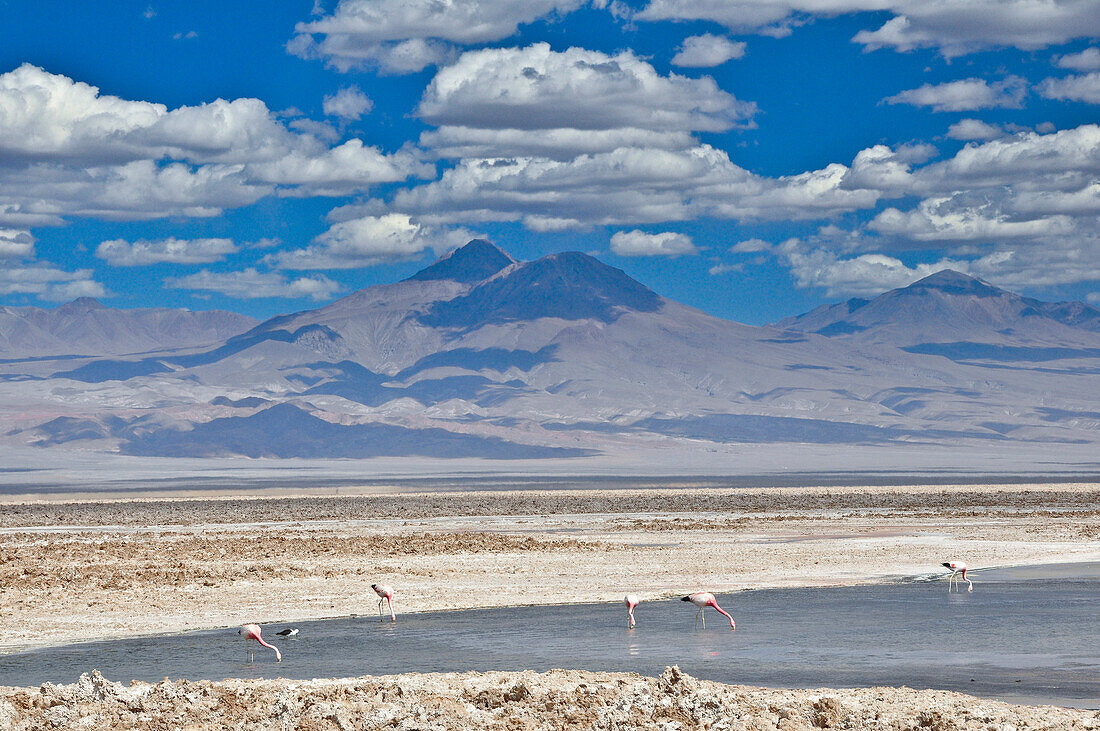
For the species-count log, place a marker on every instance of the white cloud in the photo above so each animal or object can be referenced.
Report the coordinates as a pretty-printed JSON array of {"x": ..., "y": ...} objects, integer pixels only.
[
  {"x": 863, "y": 275},
  {"x": 961, "y": 218},
  {"x": 1079, "y": 88},
  {"x": 253, "y": 284},
  {"x": 1060, "y": 262},
  {"x": 974, "y": 129},
  {"x": 1086, "y": 60},
  {"x": 341, "y": 170},
  {"x": 348, "y": 103},
  {"x": 535, "y": 88},
  {"x": 954, "y": 27},
  {"x": 1064, "y": 160},
  {"x": 1093, "y": 298},
  {"x": 965, "y": 95},
  {"x": 640, "y": 243},
  {"x": 720, "y": 268},
  {"x": 370, "y": 240},
  {"x": 885, "y": 169},
  {"x": 70, "y": 150},
  {"x": 404, "y": 36},
  {"x": 556, "y": 144},
  {"x": 750, "y": 246},
  {"x": 49, "y": 283},
  {"x": 626, "y": 186},
  {"x": 708, "y": 50},
  {"x": 16, "y": 244},
  {"x": 121, "y": 253}
]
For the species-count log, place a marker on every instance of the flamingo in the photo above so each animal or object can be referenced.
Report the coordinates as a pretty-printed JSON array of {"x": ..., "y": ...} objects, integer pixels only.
[
  {"x": 252, "y": 632},
  {"x": 631, "y": 601},
  {"x": 957, "y": 567},
  {"x": 385, "y": 592},
  {"x": 704, "y": 599}
]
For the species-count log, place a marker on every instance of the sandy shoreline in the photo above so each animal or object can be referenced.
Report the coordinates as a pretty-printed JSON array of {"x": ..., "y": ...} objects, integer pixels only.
[
  {"x": 76, "y": 571},
  {"x": 499, "y": 700}
]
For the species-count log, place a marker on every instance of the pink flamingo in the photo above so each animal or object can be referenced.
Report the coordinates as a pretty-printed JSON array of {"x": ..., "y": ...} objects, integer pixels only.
[
  {"x": 956, "y": 568},
  {"x": 704, "y": 599},
  {"x": 631, "y": 601},
  {"x": 386, "y": 593},
  {"x": 252, "y": 632}
]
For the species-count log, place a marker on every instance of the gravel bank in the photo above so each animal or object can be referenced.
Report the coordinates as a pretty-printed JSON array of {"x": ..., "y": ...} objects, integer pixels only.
[{"x": 524, "y": 700}]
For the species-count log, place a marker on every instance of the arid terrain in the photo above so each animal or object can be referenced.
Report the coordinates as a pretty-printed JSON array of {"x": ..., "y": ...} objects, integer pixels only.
[
  {"x": 89, "y": 570},
  {"x": 554, "y": 700}
]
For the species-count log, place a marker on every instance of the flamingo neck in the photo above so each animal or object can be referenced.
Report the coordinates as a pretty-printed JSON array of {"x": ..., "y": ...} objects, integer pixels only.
[{"x": 723, "y": 611}]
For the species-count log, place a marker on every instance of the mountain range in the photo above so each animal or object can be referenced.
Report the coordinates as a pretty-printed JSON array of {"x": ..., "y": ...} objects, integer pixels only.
[{"x": 480, "y": 355}]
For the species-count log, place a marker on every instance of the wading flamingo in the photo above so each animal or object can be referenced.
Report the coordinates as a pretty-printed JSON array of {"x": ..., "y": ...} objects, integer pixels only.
[
  {"x": 252, "y": 632},
  {"x": 956, "y": 568},
  {"x": 704, "y": 599},
  {"x": 385, "y": 593},
  {"x": 631, "y": 601}
]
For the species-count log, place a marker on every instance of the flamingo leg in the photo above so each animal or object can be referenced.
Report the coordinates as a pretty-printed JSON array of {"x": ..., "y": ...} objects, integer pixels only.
[{"x": 380, "y": 609}]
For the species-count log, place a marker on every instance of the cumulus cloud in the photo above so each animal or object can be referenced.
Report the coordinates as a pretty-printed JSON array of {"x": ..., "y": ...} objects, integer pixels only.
[
  {"x": 370, "y": 240},
  {"x": 954, "y": 27},
  {"x": 70, "y": 150},
  {"x": 253, "y": 284},
  {"x": 863, "y": 275},
  {"x": 707, "y": 50},
  {"x": 535, "y": 102},
  {"x": 721, "y": 268},
  {"x": 974, "y": 129},
  {"x": 119, "y": 252},
  {"x": 535, "y": 88},
  {"x": 405, "y": 36},
  {"x": 1020, "y": 211},
  {"x": 556, "y": 144},
  {"x": 965, "y": 95},
  {"x": 1064, "y": 160},
  {"x": 750, "y": 246},
  {"x": 49, "y": 283},
  {"x": 16, "y": 244},
  {"x": 640, "y": 243},
  {"x": 1086, "y": 60},
  {"x": 962, "y": 218},
  {"x": 1013, "y": 267},
  {"x": 623, "y": 187},
  {"x": 1028, "y": 187},
  {"x": 1079, "y": 88},
  {"x": 349, "y": 103}
]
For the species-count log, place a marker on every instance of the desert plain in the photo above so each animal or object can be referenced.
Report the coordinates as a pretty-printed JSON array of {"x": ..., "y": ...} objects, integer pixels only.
[{"x": 80, "y": 570}]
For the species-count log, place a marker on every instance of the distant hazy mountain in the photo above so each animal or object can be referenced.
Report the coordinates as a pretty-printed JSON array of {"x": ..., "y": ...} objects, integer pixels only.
[
  {"x": 952, "y": 307},
  {"x": 481, "y": 355},
  {"x": 86, "y": 327}
]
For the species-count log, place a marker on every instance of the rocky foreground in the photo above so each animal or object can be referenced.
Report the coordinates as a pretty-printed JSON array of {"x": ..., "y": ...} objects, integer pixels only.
[{"x": 522, "y": 700}]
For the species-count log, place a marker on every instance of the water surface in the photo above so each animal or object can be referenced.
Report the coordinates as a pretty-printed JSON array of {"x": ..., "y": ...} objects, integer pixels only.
[{"x": 1017, "y": 637}]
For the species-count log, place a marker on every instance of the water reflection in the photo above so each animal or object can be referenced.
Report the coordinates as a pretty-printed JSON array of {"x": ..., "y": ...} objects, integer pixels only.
[{"x": 1036, "y": 641}]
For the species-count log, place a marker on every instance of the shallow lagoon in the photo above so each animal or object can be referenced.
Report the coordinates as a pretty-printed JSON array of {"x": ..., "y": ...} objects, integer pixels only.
[{"x": 1024, "y": 635}]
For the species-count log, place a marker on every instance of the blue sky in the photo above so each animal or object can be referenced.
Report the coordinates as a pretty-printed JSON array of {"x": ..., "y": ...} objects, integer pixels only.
[{"x": 752, "y": 159}]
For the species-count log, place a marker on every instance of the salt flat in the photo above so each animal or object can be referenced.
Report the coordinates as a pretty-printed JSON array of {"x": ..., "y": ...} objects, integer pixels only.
[{"x": 75, "y": 571}]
